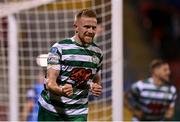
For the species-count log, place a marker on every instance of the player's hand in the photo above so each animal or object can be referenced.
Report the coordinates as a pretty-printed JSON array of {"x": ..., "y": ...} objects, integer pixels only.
[
  {"x": 96, "y": 89},
  {"x": 67, "y": 89}
]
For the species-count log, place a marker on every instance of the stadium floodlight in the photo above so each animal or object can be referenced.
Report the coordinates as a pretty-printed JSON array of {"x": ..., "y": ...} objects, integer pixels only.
[{"x": 41, "y": 60}]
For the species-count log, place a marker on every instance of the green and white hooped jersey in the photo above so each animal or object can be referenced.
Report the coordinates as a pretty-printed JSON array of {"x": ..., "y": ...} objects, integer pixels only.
[
  {"x": 78, "y": 66},
  {"x": 151, "y": 99}
]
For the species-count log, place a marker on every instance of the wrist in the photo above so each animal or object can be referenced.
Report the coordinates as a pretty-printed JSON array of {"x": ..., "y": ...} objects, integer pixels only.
[
  {"x": 60, "y": 89},
  {"x": 90, "y": 85}
]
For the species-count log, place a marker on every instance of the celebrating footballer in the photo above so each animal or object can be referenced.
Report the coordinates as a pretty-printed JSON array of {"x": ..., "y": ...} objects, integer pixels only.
[{"x": 73, "y": 70}]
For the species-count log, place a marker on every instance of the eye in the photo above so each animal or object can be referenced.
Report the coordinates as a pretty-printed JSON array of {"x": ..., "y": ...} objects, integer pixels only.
[
  {"x": 87, "y": 27},
  {"x": 94, "y": 28}
]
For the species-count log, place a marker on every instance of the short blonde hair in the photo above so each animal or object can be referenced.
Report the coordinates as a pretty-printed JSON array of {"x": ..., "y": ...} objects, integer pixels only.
[{"x": 85, "y": 13}]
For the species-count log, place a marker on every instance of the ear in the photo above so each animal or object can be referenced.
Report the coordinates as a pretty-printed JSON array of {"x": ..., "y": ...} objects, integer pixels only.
[
  {"x": 156, "y": 71},
  {"x": 75, "y": 27},
  {"x": 75, "y": 24}
]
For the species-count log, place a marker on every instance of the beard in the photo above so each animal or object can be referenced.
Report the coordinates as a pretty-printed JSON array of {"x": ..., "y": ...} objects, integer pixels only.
[
  {"x": 86, "y": 39},
  {"x": 164, "y": 79}
]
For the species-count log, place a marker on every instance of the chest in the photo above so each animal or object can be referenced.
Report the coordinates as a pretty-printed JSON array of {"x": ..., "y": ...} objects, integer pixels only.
[
  {"x": 156, "y": 97},
  {"x": 80, "y": 57}
]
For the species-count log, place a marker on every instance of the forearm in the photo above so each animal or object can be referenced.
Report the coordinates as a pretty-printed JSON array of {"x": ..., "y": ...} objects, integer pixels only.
[
  {"x": 51, "y": 84},
  {"x": 96, "y": 86},
  {"x": 97, "y": 79},
  {"x": 54, "y": 88},
  {"x": 134, "y": 110}
]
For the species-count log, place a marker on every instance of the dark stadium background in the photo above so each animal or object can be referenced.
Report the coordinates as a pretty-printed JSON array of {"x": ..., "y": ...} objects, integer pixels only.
[{"x": 151, "y": 30}]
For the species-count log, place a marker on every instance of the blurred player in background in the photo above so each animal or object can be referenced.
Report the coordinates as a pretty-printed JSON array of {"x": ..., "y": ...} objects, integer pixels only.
[
  {"x": 73, "y": 66},
  {"x": 153, "y": 98},
  {"x": 30, "y": 110}
]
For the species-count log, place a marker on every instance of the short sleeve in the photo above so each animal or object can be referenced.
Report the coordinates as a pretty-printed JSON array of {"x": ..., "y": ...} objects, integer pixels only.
[
  {"x": 53, "y": 59},
  {"x": 174, "y": 96},
  {"x": 134, "y": 90},
  {"x": 133, "y": 96}
]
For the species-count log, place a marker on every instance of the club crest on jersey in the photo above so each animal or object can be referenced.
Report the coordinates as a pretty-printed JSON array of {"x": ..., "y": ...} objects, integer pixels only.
[
  {"x": 80, "y": 75},
  {"x": 95, "y": 59},
  {"x": 54, "y": 50}
]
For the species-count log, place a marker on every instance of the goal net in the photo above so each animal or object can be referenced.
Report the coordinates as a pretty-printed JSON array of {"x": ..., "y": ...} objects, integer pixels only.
[{"x": 39, "y": 24}]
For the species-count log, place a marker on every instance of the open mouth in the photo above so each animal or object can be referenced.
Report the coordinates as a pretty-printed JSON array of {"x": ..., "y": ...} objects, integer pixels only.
[{"x": 89, "y": 37}]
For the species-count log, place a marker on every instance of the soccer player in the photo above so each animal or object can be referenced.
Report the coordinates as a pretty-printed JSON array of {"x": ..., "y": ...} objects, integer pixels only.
[
  {"x": 73, "y": 70},
  {"x": 154, "y": 98}
]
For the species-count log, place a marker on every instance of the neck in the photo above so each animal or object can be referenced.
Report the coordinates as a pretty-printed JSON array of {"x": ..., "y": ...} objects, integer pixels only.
[{"x": 157, "y": 81}]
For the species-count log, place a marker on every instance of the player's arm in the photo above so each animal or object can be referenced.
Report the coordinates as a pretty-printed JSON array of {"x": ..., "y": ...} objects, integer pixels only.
[
  {"x": 53, "y": 87},
  {"x": 97, "y": 79},
  {"x": 96, "y": 87},
  {"x": 51, "y": 84},
  {"x": 53, "y": 70},
  {"x": 131, "y": 101},
  {"x": 170, "y": 112},
  {"x": 136, "y": 112}
]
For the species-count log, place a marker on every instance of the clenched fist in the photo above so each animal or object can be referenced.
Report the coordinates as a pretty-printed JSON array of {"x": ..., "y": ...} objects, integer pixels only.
[
  {"x": 96, "y": 89},
  {"x": 67, "y": 89}
]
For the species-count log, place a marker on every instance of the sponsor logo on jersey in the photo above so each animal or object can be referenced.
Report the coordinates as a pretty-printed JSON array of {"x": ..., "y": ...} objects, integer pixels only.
[
  {"x": 80, "y": 75},
  {"x": 95, "y": 59}
]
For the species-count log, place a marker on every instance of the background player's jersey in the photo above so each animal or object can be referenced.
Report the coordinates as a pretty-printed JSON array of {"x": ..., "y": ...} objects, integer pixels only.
[
  {"x": 151, "y": 99},
  {"x": 78, "y": 66},
  {"x": 33, "y": 94}
]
